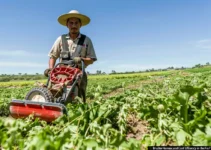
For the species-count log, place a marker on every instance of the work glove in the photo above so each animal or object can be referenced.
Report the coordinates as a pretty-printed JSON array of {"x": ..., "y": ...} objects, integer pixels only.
[
  {"x": 47, "y": 71},
  {"x": 77, "y": 60}
]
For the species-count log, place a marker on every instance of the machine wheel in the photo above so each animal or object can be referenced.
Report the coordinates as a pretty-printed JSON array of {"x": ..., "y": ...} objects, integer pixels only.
[{"x": 39, "y": 94}]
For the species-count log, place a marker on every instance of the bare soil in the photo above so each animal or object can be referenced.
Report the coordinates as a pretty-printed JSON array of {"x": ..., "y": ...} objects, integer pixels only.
[
  {"x": 133, "y": 86},
  {"x": 154, "y": 79},
  {"x": 137, "y": 127}
]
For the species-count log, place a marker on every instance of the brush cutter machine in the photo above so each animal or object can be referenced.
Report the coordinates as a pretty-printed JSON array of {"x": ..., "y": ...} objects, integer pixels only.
[{"x": 47, "y": 102}]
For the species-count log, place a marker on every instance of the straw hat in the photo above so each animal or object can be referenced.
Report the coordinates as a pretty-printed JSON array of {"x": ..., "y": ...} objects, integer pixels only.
[{"x": 73, "y": 13}]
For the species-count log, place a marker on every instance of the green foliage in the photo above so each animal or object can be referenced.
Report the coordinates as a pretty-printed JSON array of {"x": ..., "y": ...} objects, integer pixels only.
[
  {"x": 21, "y": 77},
  {"x": 177, "y": 110}
]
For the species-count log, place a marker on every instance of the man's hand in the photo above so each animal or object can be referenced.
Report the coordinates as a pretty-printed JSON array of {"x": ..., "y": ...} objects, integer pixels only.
[
  {"x": 87, "y": 61},
  {"x": 47, "y": 71},
  {"x": 77, "y": 60}
]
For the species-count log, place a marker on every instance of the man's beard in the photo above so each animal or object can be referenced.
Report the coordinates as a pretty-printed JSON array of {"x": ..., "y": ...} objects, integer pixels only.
[{"x": 74, "y": 32}]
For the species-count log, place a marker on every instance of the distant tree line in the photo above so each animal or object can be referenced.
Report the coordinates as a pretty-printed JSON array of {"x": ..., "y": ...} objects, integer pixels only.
[
  {"x": 37, "y": 76},
  {"x": 20, "y": 76},
  {"x": 99, "y": 72}
]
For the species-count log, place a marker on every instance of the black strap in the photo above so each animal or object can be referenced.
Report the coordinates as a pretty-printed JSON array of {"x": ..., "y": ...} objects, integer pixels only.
[
  {"x": 82, "y": 39},
  {"x": 79, "y": 46}
]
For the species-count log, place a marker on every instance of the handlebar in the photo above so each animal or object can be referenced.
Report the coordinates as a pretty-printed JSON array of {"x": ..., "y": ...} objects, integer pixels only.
[
  {"x": 72, "y": 63},
  {"x": 68, "y": 62}
]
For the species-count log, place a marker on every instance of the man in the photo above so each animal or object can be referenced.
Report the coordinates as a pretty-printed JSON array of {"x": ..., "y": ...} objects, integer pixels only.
[{"x": 73, "y": 45}]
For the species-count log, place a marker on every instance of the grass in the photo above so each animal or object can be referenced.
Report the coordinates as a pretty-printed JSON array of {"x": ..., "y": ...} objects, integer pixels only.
[
  {"x": 90, "y": 77},
  {"x": 202, "y": 69},
  {"x": 93, "y": 77}
]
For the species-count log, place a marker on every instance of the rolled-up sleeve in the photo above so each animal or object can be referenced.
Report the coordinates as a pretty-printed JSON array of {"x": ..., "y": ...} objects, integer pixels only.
[
  {"x": 56, "y": 48},
  {"x": 90, "y": 50}
]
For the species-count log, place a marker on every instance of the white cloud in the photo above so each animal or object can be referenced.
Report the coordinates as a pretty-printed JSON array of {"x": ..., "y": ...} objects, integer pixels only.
[
  {"x": 22, "y": 64},
  {"x": 204, "y": 44},
  {"x": 99, "y": 63},
  {"x": 19, "y": 53}
]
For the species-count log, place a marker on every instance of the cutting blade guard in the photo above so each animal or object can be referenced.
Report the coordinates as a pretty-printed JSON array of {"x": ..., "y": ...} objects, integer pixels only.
[{"x": 43, "y": 110}]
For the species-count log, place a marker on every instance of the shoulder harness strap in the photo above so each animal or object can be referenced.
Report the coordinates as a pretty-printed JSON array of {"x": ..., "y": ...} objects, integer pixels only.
[
  {"x": 82, "y": 39},
  {"x": 64, "y": 43},
  {"x": 64, "y": 55},
  {"x": 79, "y": 45}
]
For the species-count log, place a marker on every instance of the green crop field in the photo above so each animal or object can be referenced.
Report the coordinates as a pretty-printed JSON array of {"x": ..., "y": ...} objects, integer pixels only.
[{"x": 123, "y": 112}]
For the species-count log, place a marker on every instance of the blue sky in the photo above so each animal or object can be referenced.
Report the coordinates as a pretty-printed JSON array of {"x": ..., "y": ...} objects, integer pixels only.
[{"x": 128, "y": 35}]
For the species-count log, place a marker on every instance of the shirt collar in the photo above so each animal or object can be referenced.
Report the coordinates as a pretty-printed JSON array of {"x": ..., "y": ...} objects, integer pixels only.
[{"x": 68, "y": 36}]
